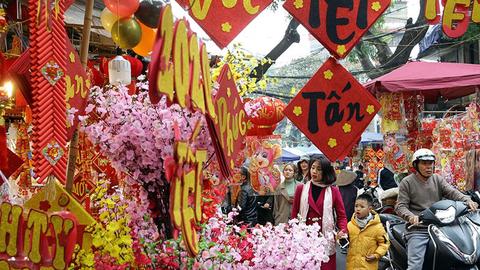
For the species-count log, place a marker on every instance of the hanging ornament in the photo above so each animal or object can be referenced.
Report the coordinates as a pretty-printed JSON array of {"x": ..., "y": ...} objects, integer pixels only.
[
  {"x": 126, "y": 33},
  {"x": 119, "y": 71},
  {"x": 108, "y": 19},
  {"x": 136, "y": 66},
  {"x": 148, "y": 13},
  {"x": 263, "y": 115}
]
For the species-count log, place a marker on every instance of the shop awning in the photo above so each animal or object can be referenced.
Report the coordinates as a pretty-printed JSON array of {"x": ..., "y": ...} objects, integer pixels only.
[{"x": 450, "y": 80}]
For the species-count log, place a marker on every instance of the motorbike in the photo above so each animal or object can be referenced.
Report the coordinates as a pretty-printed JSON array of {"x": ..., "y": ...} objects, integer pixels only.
[
  {"x": 378, "y": 205},
  {"x": 454, "y": 234}
]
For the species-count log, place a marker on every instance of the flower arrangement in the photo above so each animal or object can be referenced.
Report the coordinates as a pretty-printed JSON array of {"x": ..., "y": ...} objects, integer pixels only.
[
  {"x": 137, "y": 137},
  {"x": 242, "y": 64},
  {"x": 111, "y": 236},
  {"x": 289, "y": 246}
]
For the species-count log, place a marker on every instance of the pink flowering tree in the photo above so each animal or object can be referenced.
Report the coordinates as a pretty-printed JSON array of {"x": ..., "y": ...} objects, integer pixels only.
[
  {"x": 289, "y": 246},
  {"x": 137, "y": 137}
]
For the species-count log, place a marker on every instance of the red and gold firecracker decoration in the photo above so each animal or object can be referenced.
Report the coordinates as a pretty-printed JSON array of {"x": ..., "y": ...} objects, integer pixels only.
[
  {"x": 22, "y": 149},
  {"x": 48, "y": 61},
  {"x": 373, "y": 161},
  {"x": 84, "y": 180}
]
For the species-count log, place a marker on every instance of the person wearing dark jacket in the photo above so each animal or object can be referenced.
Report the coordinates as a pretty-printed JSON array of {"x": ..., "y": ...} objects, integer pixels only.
[
  {"x": 345, "y": 183},
  {"x": 359, "y": 181},
  {"x": 247, "y": 200},
  {"x": 265, "y": 209},
  {"x": 386, "y": 179}
]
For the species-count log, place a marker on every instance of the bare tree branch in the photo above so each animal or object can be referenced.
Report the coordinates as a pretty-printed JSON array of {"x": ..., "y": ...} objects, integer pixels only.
[
  {"x": 383, "y": 50},
  {"x": 363, "y": 57},
  {"x": 291, "y": 36},
  {"x": 414, "y": 33}
]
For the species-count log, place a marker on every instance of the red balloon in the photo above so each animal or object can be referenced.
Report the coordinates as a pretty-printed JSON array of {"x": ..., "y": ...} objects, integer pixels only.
[
  {"x": 124, "y": 8},
  {"x": 265, "y": 111},
  {"x": 135, "y": 64}
]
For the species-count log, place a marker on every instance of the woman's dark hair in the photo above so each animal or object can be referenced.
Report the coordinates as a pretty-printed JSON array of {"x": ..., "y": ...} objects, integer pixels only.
[
  {"x": 244, "y": 171},
  {"x": 299, "y": 171},
  {"x": 328, "y": 173}
]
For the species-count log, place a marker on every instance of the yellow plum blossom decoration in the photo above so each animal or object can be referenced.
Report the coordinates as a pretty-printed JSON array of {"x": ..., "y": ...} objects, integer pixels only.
[
  {"x": 376, "y": 6},
  {"x": 332, "y": 142},
  {"x": 370, "y": 109},
  {"x": 226, "y": 27},
  {"x": 242, "y": 65},
  {"x": 111, "y": 235},
  {"x": 341, "y": 49},
  {"x": 298, "y": 4},
  {"x": 297, "y": 110},
  {"x": 347, "y": 128},
  {"x": 328, "y": 74},
  {"x": 72, "y": 57}
]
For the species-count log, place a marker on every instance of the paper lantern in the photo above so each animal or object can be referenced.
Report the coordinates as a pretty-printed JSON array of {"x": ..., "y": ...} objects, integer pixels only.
[
  {"x": 119, "y": 71},
  {"x": 265, "y": 111},
  {"x": 257, "y": 130}
]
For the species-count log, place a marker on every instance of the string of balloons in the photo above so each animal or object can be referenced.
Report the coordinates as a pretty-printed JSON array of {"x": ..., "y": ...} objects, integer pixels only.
[{"x": 132, "y": 24}]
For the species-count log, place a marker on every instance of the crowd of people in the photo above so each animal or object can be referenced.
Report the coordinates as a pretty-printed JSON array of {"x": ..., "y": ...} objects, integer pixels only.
[{"x": 314, "y": 191}]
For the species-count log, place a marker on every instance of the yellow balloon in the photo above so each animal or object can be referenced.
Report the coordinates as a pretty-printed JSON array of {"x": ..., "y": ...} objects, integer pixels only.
[
  {"x": 148, "y": 39},
  {"x": 108, "y": 19},
  {"x": 127, "y": 33}
]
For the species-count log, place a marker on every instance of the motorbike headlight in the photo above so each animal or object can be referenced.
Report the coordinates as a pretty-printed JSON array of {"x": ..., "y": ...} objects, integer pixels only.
[{"x": 446, "y": 216}]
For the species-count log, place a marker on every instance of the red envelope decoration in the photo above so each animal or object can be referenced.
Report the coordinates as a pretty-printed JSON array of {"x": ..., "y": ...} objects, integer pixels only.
[
  {"x": 82, "y": 188},
  {"x": 224, "y": 20},
  {"x": 338, "y": 25},
  {"x": 332, "y": 110},
  {"x": 229, "y": 132},
  {"x": 78, "y": 86}
]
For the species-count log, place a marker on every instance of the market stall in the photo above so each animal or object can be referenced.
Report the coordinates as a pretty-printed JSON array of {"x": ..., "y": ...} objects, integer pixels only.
[{"x": 453, "y": 137}]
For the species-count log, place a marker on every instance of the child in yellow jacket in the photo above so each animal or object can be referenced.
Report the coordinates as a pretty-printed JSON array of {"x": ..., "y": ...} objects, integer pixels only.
[{"x": 368, "y": 239}]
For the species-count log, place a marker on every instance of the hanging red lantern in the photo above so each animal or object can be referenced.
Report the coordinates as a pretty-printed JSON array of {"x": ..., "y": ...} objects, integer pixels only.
[
  {"x": 263, "y": 115},
  {"x": 135, "y": 64},
  {"x": 265, "y": 111},
  {"x": 257, "y": 130},
  {"x": 94, "y": 75}
]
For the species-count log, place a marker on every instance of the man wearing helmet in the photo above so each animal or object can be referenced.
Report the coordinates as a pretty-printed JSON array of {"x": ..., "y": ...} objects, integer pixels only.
[{"x": 417, "y": 192}]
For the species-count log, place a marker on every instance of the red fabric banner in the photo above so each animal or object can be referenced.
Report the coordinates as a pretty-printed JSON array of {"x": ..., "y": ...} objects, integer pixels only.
[{"x": 332, "y": 110}]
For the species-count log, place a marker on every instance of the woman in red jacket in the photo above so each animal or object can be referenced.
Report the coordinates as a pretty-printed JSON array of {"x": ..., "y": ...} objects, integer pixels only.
[{"x": 319, "y": 201}]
